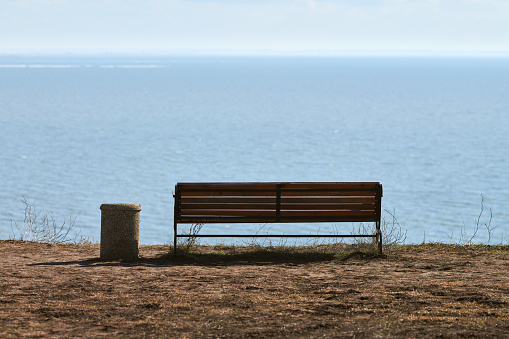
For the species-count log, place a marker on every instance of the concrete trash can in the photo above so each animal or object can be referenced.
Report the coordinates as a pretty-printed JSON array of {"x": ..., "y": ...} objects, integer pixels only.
[{"x": 120, "y": 231}]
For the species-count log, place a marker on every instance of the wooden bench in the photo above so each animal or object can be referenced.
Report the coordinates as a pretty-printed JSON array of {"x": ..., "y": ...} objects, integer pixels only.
[{"x": 278, "y": 202}]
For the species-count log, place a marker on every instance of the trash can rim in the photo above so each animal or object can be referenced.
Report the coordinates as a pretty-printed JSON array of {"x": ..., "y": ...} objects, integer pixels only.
[{"x": 121, "y": 207}]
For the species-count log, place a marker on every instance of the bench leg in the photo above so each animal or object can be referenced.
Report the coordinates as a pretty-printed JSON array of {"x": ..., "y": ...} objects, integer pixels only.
[
  {"x": 175, "y": 238},
  {"x": 379, "y": 237}
]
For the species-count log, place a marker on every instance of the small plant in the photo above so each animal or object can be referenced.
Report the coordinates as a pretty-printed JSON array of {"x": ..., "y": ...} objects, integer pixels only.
[
  {"x": 187, "y": 243},
  {"x": 392, "y": 232},
  {"x": 465, "y": 238},
  {"x": 266, "y": 242},
  {"x": 41, "y": 228}
]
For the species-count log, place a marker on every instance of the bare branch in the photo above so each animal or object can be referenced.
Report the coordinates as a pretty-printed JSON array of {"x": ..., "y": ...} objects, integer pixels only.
[{"x": 45, "y": 228}]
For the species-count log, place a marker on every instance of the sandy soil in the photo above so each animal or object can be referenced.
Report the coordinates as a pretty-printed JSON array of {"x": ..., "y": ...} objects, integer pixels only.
[{"x": 416, "y": 291}]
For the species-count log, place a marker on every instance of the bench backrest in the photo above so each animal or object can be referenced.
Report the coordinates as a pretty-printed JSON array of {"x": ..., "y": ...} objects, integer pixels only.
[{"x": 275, "y": 202}]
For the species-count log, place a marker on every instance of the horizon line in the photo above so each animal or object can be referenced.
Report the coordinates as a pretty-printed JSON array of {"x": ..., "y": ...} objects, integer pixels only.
[{"x": 26, "y": 52}]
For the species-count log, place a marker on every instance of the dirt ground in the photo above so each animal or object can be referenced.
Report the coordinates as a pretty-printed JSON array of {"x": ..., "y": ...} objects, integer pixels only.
[{"x": 415, "y": 291}]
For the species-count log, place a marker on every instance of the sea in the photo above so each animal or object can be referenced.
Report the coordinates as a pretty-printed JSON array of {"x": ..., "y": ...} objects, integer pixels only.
[{"x": 80, "y": 131}]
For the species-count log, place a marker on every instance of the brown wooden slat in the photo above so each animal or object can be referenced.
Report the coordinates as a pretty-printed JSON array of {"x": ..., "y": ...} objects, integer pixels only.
[
  {"x": 273, "y": 186},
  {"x": 268, "y": 213},
  {"x": 320, "y": 206},
  {"x": 228, "y": 200},
  {"x": 328, "y": 193},
  {"x": 228, "y": 194},
  {"x": 229, "y": 206},
  {"x": 313, "y": 219},
  {"x": 212, "y": 212},
  {"x": 327, "y": 213},
  {"x": 224, "y": 220},
  {"x": 302, "y": 206},
  {"x": 227, "y": 186},
  {"x": 244, "y": 185},
  {"x": 261, "y": 219},
  {"x": 330, "y": 185},
  {"x": 331, "y": 200}
]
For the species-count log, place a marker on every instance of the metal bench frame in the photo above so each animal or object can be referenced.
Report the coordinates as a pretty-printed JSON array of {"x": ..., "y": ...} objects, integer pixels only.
[{"x": 278, "y": 202}]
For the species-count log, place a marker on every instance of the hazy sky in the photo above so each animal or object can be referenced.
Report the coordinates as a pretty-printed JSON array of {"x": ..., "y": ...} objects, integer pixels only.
[{"x": 256, "y": 26}]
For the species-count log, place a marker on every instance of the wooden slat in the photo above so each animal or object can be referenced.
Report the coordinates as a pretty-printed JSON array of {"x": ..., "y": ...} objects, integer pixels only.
[
  {"x": 320, "y": 206},
  {"x": 228, "y": 206},
  {"x": 228, "y": 200},
  {"x": 224, "y": 220},
  {"x": 230, "y": 210},
  {"x": 268, "y": 213},
  {"x": 226, "y": 213},
  {"x": 261, "y": 219},
  {"x": 283, "y": 184},
  {"x": 273, "y": 186},
  {"x": 331, "y": 200},
  {"x": 227, "y": 186},
  {"x": 255, "y": 206},
  {"x": 313, "y": 213},
  {"x": 312, "y": 193},
  {"x": 313, "y": 219},
  {"x": 228, "y": 194},
  {"x": 330, "y": 185}
]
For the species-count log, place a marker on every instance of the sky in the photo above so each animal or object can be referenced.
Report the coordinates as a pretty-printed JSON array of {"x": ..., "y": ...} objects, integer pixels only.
[{"x": 288, "y": 27}]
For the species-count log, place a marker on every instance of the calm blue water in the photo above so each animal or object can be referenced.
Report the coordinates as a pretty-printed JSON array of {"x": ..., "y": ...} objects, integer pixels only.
[{"x": 79, "y": 132}]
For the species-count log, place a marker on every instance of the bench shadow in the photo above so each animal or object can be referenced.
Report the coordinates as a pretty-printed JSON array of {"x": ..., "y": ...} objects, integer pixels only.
[
  {"x": 217, "y": 259},
  {"x": 225, "y": 258},
  {"x": 253, "y": 258},
  {"x": 271, "y": 257}
]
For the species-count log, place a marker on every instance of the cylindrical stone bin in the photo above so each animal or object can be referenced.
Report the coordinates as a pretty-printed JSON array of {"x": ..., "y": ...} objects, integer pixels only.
[{"x": 120, "y": 231}]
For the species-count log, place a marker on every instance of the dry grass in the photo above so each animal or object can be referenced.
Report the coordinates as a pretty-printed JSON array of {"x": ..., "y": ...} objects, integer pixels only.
[{"x": 431, "y": 290}]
